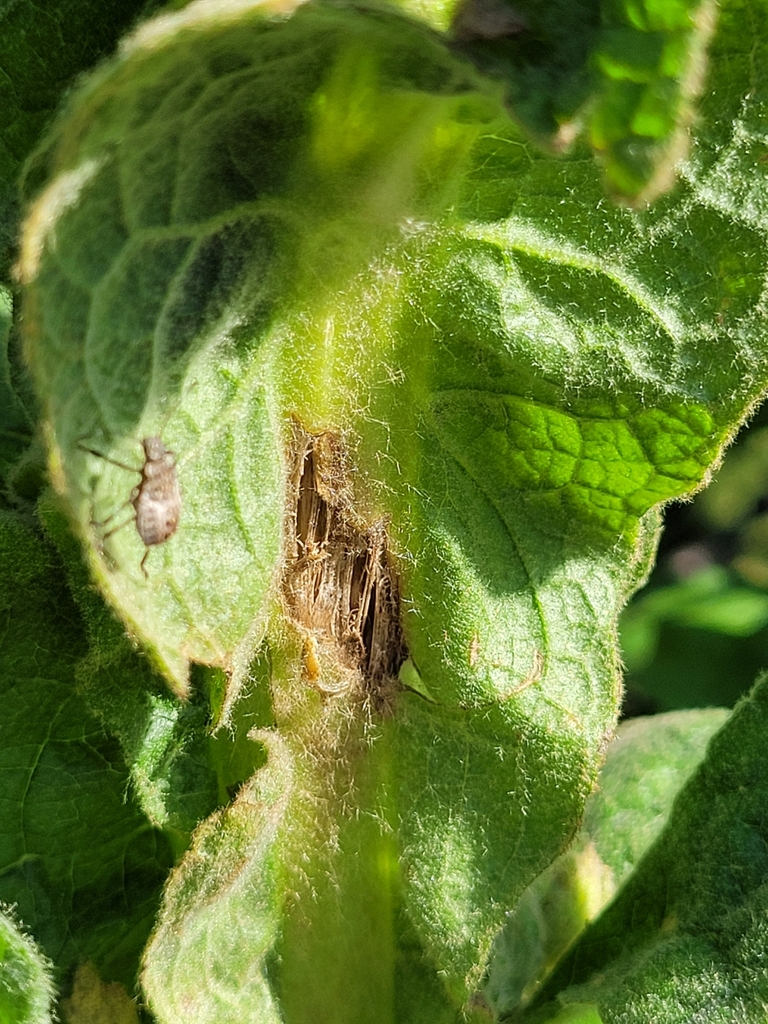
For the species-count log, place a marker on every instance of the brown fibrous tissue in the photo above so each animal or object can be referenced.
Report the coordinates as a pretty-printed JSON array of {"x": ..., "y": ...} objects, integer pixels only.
[{"x": 340, "y": 584}]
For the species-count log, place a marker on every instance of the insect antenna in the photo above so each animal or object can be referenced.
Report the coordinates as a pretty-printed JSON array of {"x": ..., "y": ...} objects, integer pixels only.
[{"x": 174, "y": 408}]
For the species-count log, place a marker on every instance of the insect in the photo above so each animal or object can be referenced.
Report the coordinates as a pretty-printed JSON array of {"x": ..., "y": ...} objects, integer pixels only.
[{"x": 156, "y": 499}]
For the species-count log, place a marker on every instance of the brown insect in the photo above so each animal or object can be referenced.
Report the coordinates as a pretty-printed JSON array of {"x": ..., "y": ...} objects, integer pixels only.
[{"x": 156, "y": 499}]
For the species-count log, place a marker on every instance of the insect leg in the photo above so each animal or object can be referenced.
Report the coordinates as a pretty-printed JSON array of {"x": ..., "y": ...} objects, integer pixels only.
[
  {"x": 101, "y": 455},
  {"x": 114, "y": 530},
  {"x": 105, "y": 522}
]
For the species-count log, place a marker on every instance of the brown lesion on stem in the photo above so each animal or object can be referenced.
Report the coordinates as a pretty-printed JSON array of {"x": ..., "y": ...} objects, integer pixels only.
[{"x": 340, "y": 583}]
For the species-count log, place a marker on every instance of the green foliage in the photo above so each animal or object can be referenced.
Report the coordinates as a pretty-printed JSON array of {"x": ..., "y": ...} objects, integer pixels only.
[
  {"x": 397, "y": 350},
  {"x": 680, "y": 940},
  {"x": 26, "y": 992},
  {"x": 14, "y": 418},
  {"x": 650, "y": 58},
  {"x": 645, "y": 768},
  {"x": 220, "y": 911},
  {"x": 80, "y": 863},
  {"x": 626, "y": 72},
  {"x": 698, "y": 635},
  {"x": 43, "y": 47}
]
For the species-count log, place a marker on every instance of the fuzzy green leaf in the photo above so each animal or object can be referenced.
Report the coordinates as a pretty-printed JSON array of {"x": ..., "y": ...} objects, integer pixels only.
[
  {"x": 15, "y": 426},
  {"x": 43, "y": 47},
  {"x": 325, "y": 224},
  {"x": 626, "y": 73},
  {"x": 649, "y": 61},
  {"x": 180, "y": 772},
  {"x": 77, "y": 860},
  {"x": 209, "y": 956},
  {"x": 26, "y": 990},
  {"x": 686, "y": 936},
  {"x": 646, "y": 766}
]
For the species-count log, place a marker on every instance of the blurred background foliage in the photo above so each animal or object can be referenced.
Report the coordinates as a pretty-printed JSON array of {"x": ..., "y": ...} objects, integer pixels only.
[{"x": 697, "y": 634}]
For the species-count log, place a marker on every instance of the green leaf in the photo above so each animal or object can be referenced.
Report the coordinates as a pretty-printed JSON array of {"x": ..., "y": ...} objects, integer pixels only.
[
  {"x": 685, "y": 937},
  {"x": 650, "y": 61},
  {"x": 15, "y": 425},
  {"x": 43, "y": 47},
  {"x": 291, "y": 896},
  {"x": 626, "y": 73},
  {"x": 180, "y": 771},
  {"x": 26, "y": 990},
  {"x": 221, "y": 911},
  {"x": 77, "y": 860},
  {"x": 209, "y": 388},
  {"x": 709, "y": 599},
  {"x": 426, "y": 391},
  {"x": 578, "y": 1013},
  {"x": 646, "y": 766},
  {"x": 739, "y": 485}
]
